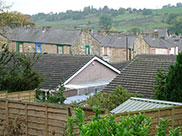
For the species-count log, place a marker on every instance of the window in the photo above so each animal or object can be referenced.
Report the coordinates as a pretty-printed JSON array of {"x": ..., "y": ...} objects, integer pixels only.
[
  {"x": 105, "y": 50},
  {"x": 19, "y": 47},
  {"x": 60, "y": 49},
  {"x": 38, "y": 47},
  {"x": 87, "y": 49}
]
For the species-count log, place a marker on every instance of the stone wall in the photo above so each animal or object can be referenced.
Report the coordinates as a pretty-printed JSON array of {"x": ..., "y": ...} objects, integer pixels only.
[
  {"x": 78, "y": 48},
  {"x": 114, "y": 54},
  {"x": 140, "y": 47},
  {"x": 46, "y": 48}
]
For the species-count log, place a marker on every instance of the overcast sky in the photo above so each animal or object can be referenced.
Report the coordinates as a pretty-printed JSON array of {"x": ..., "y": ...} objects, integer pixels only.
[{"x": 47, "y": 6}]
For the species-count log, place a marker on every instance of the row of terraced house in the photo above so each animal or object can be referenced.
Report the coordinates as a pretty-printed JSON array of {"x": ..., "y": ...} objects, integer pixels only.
[{"x": 112, "y": 47}]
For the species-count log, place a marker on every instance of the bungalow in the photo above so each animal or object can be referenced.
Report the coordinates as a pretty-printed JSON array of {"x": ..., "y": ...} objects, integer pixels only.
[
  {"x": 80, "y": 74},
  {"x": 138, "y": 76}
]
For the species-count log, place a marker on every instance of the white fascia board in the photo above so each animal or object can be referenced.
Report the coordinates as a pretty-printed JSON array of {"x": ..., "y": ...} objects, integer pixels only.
[{"x": 99, "y": 60}]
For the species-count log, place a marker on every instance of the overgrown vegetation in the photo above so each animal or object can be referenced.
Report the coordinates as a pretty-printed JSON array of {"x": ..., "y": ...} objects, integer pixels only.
[
  {"x": 106, "y": 125},
  {"x": 12, "y": 18},
  {"x": 111, "y": 100},
  {"x": 169, "y": 85},
  {"x": 55, "y": 97},
  {"x": 16, "y": 72}
]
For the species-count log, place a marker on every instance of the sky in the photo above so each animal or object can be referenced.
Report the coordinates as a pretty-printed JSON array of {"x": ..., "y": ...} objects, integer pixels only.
[{"x": 47, "y": 6}]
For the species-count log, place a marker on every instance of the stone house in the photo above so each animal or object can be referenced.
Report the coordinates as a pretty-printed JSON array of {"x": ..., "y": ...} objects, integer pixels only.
[
  {"x": 56, "y": 41},
  {"x": 111, "y": 47},
  {"x": 153, "y": 45},
  {"x": 115, "y": 47}
]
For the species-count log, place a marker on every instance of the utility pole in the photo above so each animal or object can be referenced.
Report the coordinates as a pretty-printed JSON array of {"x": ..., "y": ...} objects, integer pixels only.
[{"x": 126, "y": 47}]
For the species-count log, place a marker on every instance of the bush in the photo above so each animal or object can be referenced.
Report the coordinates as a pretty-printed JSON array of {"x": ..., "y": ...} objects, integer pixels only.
[
  {"x": 106, "y": 125},
  {"x": 56, "y": 97},
  {"x": 111, "y": 100}
]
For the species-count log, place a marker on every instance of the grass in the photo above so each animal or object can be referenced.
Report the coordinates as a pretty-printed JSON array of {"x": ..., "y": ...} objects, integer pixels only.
[{"x": 122, "y": 22}]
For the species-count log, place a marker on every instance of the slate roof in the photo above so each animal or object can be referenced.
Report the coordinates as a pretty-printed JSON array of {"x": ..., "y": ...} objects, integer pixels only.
[
  {"x": 56, "y": 68},
  {"x": 114, "y": 40},
  {"x": 138, "y": 104},
  {"x": 158, "y": 42},
  {"x": 120, "y": 65},
  {"x": 161, "y": 32},
  {"x": 38, "y": 35},
  {"x": 176, "y": 40},
  {"x": 139, "y": 75}
]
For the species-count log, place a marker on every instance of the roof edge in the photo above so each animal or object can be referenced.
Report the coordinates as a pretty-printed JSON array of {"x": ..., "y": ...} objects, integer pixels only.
[{"x": 89, "y": 62}]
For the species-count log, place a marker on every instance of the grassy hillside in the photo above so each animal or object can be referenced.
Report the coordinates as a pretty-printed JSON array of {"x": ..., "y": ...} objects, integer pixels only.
[{"x": 121, "y": 22}]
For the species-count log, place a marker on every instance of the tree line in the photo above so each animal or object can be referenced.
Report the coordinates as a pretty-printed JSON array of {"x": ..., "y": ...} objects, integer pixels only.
[{"x": 90, "y": 10}]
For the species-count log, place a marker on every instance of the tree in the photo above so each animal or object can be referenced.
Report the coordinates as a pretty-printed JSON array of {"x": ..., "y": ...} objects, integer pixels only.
[
  {"x": 146, "y": 12},
  {"x": 169, "y": 86},
  {"x": 105, "y": 21},
  {"x": 16, "y": 72},
  {"x": 109, "y": 101},
  {"x": 135, "y": 30}
]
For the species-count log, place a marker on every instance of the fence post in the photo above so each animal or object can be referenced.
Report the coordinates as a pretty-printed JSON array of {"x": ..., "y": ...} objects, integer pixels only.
[
  {"x": 7, "y": 103},
  {"x": 29, "y": 96},
  {"x": 26, "y": 119},
  {"x": 69, "y": 111},
  {"x": 46, "y": 119},
  {"x": 173, "y": 117}
]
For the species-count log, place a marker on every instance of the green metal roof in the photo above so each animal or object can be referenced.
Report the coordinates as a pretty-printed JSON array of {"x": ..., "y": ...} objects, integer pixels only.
[{"x": 137, "y": 104}]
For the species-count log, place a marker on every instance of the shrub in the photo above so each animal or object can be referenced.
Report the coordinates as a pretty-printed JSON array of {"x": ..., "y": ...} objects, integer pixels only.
[
  {"x": 111, "y": 100},
  {"x": 106, "y": 125}
]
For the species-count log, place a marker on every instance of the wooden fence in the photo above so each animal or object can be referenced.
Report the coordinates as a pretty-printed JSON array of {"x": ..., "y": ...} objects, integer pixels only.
[
  {"x": 173, "y": 114},
  {"x": 41, "y": 119},
  {"x": 29, "y": 96}
]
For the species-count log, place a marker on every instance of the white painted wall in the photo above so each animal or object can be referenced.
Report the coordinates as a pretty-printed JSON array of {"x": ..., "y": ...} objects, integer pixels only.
[
  {"x": 174, "y": 51},
  {"x": 161, "y": 51}
]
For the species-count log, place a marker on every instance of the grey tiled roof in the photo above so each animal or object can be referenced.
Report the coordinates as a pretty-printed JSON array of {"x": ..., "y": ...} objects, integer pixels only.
[
  {"x": 176, "y": 40},
  {"x": 51, "y": 36},
  {"x": 139, "y": 75},
  {"x": 120, "y": 65},
  {"x": 161, "y": 32},
  {"x": 56, "y": 68},
  {"x": 116, "y": 41},
  {"x": 138, "y": 104},
  {"x": 158, "y": 42}
]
